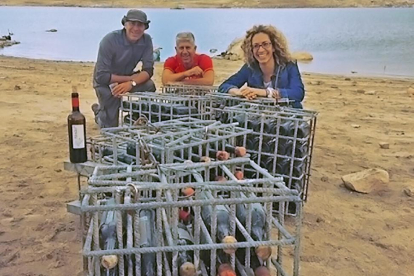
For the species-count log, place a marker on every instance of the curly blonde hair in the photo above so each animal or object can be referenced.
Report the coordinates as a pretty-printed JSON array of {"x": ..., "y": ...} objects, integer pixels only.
[{"x": 278, "y": 40}]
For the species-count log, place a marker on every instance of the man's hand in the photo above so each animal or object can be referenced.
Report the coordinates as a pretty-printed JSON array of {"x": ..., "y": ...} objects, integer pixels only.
[
  {"x": 195, "y": 71},
  {"x": 121, "y": 89}
]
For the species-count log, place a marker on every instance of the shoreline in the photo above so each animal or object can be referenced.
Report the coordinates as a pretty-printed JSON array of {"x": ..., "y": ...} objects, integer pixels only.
[{"x": 335, "y": 75}]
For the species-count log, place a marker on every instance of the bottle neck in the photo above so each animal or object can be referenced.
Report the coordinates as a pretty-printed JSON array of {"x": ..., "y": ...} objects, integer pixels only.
[{"x": 75, "y": 104}]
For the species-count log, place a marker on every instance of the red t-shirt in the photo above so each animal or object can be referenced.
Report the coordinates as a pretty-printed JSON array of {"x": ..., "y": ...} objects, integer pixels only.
[{"x": 175, "y": 65}]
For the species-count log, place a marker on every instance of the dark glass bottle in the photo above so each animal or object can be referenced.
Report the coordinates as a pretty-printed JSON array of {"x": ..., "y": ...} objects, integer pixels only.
[
  {"x": 107, "y": 237},
  {"x": 285, "y": 127},
  {"x": 268, "y": 144},
  {"x": 223, "y": 219},
  {"x": 185, "y": 258},
  {"x": 241, "y": 119},
  {"x": 77, "y": 132},
  {"x": 285, "y": 147},
  {"x": 303, "y": 130},
  {"x": 252, "y": 142},
  {"x": 147, "y": 230},
  {"x": 282, "y": 166},
  {"x": 258, "y": 222},
  {"x": 301, "y": 149}
]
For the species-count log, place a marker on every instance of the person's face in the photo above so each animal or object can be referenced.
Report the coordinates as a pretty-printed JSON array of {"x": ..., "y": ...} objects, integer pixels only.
[
  {"x": 186, "y": 51},
  {"x": 134, "y": 30},
  {"x": 262, "y": 48}
]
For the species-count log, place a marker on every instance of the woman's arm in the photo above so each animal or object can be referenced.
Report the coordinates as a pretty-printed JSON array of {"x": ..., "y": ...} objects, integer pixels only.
[
  {"x": 296, "y": 90},
  {"x": 235, "y": 82}
]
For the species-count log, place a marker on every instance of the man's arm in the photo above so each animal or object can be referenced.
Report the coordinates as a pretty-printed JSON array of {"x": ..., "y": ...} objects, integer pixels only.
[
  {"x": 102, "y": 74},
  {"x": 207, "y": 79},
  {"x": 141, "y": 77},
  {"x": 147, "y": 66},
  {"x": 169, "y": 76}
]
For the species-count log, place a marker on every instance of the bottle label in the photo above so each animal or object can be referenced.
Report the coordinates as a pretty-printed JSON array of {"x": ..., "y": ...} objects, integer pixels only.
[{"x": 78, "y": 137}]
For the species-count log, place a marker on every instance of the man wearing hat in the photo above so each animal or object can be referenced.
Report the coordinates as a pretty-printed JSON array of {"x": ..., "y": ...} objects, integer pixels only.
[{"x": 115, "y": 70}]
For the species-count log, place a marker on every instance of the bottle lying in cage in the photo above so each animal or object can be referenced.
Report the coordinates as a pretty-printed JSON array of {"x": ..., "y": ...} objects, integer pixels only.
[
  {"x": 223, "y": 222},
  {"x": 241, "y": 119},
  {"x": 132, "y": 152},
  {"x": 185, "y": 110},
  {"x": 129, "y": 120},
  {"x": 285, "y": 127},
  {"x": 303, "y": 130},
  {"x": 268, "y": 144},
  {"x": 121, "y": 156},
  {"x": 301, "y": 149},
  {"x": 285, "y": 147},
  {"x": 252, "y": 142},
  {"x": 185, "y": 260},
  {"x": 258, "y": 226},
  {"x": 108, "y": 240},
  {"x": 147, "y": 239}
]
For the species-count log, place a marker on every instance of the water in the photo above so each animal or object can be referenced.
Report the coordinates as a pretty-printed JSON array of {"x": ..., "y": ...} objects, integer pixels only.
[{"x": 369, "y": 41}]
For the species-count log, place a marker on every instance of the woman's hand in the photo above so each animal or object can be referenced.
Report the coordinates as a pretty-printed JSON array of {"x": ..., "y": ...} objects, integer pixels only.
[
  {"x": 252, "y": 93},
  {"x": 235, "y": 92}
]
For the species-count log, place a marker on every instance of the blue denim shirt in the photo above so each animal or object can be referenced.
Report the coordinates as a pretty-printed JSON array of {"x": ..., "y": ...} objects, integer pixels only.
[{"x": 289, "y": 82}]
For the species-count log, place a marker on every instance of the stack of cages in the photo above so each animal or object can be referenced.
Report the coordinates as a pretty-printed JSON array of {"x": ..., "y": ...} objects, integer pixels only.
[
  {"x": 157, "y": 107},
  {"x": 167, "y": 142},
  {"x": 281, "y": 142},
  {"x": 144, "y": 221}
]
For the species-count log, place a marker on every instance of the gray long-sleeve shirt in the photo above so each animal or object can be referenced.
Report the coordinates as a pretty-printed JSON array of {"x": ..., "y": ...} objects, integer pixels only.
[{"x": 119, "y": 56}]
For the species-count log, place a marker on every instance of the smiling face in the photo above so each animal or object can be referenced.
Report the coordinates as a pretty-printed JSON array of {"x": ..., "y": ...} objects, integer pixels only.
[
  {"x": 134, "y": 30},
  {"x": 186, "y": 51},
  {"x": 262, "y": 48}
]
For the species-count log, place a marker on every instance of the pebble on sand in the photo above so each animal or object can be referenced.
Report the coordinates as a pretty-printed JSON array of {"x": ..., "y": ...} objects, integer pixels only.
[{"x": 384, "y": 145}]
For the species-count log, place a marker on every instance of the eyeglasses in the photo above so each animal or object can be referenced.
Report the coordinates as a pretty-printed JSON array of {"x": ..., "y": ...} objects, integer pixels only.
[{"x": 265, "y": 45}]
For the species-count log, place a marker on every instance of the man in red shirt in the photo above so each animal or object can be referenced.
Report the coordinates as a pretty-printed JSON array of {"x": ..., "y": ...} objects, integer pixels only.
[{"x": 186, "y": 66}]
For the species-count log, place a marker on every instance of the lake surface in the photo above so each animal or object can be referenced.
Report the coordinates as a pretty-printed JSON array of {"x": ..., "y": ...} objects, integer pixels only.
[{"x": 366, "y": 40}]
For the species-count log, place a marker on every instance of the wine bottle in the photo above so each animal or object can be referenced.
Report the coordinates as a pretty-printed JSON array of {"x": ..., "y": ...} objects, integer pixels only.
[
  {"x": 185, "y": 259},
  {"x": 285, "y": 147},
  {"x": 283, "y": 166},
  {"x": 108, "y": 241},
  {"x": 77, "y": 132},
  {"x": 303, "y": 130},
  {"x": 268, "y": 144},
  {"x": 252, "y": 142},
  {"x": 223, "y": 222},
  {"x": 258, "y": 224},
  {"x": 301, "y": 149},
  {"x": 147, "y": 229}
]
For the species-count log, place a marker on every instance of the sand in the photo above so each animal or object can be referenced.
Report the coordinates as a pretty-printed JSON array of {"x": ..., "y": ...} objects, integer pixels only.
[
  {"x": 212, "y": 3},
  {"x": 345, "y": 233}
]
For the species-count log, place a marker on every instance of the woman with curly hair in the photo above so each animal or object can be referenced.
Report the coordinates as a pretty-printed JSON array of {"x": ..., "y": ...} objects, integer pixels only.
[{"x": 269, "y": 70}]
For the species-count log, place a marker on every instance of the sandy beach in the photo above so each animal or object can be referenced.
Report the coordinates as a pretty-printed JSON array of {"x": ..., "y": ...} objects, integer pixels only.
[
  {"x": 345, "y": 233},
  {"x": 212, "y": 4}
]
